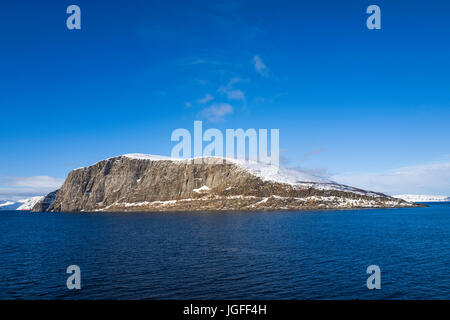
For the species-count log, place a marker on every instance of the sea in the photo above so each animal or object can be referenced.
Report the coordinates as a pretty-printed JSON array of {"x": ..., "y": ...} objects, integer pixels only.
[{"x": 231, "y": 255}]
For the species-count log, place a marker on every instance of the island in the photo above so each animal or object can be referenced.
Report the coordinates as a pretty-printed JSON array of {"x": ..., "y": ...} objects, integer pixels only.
[{"x": 139, "y": 182}]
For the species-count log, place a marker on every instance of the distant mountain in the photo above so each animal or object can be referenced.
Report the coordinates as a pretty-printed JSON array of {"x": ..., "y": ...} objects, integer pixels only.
[
  {"x": 137, "y": 182},
  {"x": 422, "y": 198},
  {"x": 28, "y": 204},
  {"x": 9, "y": 205},
  {"x": 25, "y": 204}
]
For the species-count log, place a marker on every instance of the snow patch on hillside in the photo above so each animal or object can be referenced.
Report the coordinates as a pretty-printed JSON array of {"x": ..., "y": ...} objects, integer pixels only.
[
  {"x": 274, "y": 173},
  {"x": 202, "y": 189}
]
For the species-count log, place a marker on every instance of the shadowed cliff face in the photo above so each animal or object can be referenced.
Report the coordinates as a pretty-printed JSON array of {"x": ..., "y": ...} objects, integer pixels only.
[
  {"x": 128, "y": 184},
  {"x": 45, "y": 203}
]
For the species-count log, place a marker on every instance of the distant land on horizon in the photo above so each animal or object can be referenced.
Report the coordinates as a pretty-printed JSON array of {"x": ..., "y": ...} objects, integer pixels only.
[
  {"x": 422, "y": 198},
  {"x": 25, "y": 204}
]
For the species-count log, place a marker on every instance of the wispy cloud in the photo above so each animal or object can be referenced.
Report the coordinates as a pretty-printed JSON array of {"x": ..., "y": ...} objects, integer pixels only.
[
  {"x": 201, "y": 82},
  {"x": 236, "y": 80},
  {"x": 232, "y": 93},
  {"x": 430, "y": 178},
  {"x": 158, "y": 32},
  {"x": 216, "y": 112},
  {"x": 259, "y": 65},
  {"x": 315, "y": 171},
  {"x": 207, "y": 98},
  {"x": 236, "y": 95},
  {"x": 15, "y": 188},
  {"x": 33, "y": 182},
  {"x": 311, "y": 153},
  {"x": 210, "y": 60},
  {"x": 270, "y": 99},
  {"x": 193, "y": 62}
]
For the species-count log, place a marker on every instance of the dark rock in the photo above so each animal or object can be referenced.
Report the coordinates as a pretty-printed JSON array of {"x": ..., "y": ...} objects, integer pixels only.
[{"x": 45, "y": 203}]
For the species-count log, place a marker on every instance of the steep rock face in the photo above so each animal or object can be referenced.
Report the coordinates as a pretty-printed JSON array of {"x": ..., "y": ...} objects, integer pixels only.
[
  {"x": 139, "y": 183},
  {"x": 43, "y": 204}
]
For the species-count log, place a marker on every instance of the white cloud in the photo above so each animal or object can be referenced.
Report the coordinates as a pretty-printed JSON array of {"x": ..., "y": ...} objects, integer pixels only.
[
  {"x": 207, "y": 98},
  {"x": 15, "y": 188},
  {"x": 431, "y": 178},
  {"x": 259, "y": 65},
  {"x": 33, "y": 182},
  {"x": 311, "y": 153},
  {"x": 235, "y": 80},
  {"x": 236, "y": 95},
  {"x": 216, "y": 112},
  {"x": 15, "y": 194},
  {"x": 232, "y": 94}
]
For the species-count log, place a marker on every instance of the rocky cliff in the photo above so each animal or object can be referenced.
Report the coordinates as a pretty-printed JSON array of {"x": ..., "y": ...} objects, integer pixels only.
[
  {"x": 45, "y": 202},
  {"x": 151, "y": 183}
]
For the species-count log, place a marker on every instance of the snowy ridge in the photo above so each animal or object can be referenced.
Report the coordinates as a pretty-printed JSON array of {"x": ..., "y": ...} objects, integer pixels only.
[
  {"x": 266, "y": 172},
  {"x": 277, "y": 174},
  {"x": 422, "y": 198},
  {"x": 28, "y": 204},
  {"x": 269, "y": 172},
  {"x": 137, "y": 156},
  {"x": 141, "y": 156}
]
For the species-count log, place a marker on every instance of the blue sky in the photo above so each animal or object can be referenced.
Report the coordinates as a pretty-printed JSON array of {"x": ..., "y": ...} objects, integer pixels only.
[{"x": 364, "y": 107}]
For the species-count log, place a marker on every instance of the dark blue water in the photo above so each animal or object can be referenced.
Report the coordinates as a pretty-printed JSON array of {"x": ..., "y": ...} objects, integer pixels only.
[{"x": 284, "y": 255}]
